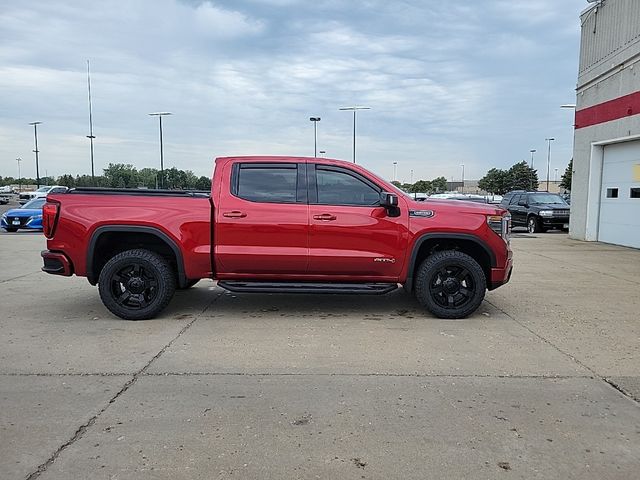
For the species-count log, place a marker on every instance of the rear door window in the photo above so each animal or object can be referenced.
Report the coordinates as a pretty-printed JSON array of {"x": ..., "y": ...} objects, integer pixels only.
[{"x": 268, "y": 183}]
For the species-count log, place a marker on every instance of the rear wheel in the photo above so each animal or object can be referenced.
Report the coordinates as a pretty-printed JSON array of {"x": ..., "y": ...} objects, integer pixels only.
[
  {"x": 450, "y": 284},
  {"x": 136, "y": 284}
]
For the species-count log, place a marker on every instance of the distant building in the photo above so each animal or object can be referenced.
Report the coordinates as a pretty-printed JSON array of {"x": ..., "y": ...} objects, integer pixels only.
[{"x": 605, "y": 192}]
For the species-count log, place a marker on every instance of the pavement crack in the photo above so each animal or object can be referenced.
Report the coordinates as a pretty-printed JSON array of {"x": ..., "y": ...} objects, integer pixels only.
[
  {"x": 558, "y": 349},
  {"x": 84, "y": 427},
  {"x": 21, "y": 276}
]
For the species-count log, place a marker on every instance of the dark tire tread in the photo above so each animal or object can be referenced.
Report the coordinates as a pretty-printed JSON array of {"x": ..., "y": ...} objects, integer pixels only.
[
  {"x": 166, "y": 284},
  {"x": 435, "y": 262}
]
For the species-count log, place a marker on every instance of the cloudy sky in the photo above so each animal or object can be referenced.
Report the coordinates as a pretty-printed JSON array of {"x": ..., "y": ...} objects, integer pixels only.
[{"x": 477, "y": 82}]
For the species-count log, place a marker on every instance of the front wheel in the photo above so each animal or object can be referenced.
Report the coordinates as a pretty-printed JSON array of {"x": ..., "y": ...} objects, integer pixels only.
[
  {"x": 533, "y": 225},
  {"x": 136, "y": 284},
  {"x": 450, "y": 284}
]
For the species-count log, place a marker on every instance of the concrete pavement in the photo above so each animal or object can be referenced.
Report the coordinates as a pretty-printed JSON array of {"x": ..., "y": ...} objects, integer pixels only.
[{"x": 540, "y": 383}]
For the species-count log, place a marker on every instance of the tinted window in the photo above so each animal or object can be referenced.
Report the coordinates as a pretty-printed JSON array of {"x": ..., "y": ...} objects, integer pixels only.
[
  {"x": 612, "y": 193},
  {"x": 34, "y": 204},
  {"x": 340, "y": 188},
  {"x": 273, "y": 184},
  {"x": 515, "y": 199},
  {"x": 634, "y": 193},
  {"x": 546, "y": 198}
]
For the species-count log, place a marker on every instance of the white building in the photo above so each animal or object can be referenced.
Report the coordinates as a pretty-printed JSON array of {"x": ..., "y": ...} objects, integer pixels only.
[{"x": 605, "y": 191}]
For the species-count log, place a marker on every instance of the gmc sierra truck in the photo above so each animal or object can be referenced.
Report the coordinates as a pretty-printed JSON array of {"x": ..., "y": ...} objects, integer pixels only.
[{"x": 278, "y": 225}]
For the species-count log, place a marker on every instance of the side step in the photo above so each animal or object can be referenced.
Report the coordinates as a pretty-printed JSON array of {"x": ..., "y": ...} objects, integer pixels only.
[{"x": 291, "y": 287}]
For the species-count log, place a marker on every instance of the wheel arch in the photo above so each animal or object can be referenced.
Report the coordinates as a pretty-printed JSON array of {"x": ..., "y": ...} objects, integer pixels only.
[
  {"x": 109, "y": 240},
  {"x": 467, "y": 243}
]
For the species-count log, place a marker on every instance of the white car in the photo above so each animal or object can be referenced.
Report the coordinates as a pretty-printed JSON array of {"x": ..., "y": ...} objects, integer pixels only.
[
  {"x": 41, "y": 192},
  {"x": 7, "y": 189}
]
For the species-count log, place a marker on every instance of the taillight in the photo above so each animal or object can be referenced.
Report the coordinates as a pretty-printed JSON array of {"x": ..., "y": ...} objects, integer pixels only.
[{"x": 49, "y": 218}]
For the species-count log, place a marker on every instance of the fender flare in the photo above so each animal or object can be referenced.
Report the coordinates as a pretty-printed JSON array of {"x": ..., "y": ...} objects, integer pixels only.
[
  {"x": 443, "y": 235},
  {"x": 91, "y": 276}
]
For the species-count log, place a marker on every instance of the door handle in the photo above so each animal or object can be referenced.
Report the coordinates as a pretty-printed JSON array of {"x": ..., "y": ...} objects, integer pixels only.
[
  {"x": 327, "y": 217},
  {"x": 234, "y": 214}
]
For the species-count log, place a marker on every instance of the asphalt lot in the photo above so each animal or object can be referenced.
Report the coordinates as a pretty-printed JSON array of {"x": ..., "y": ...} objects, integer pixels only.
[{"x": 543, "y": 382}]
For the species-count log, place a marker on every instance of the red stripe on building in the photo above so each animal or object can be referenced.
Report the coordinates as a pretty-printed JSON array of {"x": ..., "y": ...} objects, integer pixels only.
[{"x": 606, "y": 112}]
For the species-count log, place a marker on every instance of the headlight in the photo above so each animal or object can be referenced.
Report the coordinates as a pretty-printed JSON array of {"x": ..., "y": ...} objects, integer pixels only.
[
  {"x": 501, "y": 224},
  {"x": 546, "y": 213}
]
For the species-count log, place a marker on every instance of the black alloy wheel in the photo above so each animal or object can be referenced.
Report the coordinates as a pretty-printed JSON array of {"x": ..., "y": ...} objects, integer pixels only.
[
  {"x": 450, "y": 284},
  {"x": 136, "y": 284}
]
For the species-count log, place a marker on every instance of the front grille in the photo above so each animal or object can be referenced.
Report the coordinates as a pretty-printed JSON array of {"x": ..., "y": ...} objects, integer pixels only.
[
  {"x": 561, "y": 213},
  {"x": 23, "y": 221}
]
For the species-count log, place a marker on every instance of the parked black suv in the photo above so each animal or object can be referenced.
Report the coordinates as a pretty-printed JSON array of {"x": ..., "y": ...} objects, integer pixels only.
[{"x": 538, "y": 211}]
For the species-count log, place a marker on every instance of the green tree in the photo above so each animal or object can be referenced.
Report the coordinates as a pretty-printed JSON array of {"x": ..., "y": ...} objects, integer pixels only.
[
  {"x": 396, "y": 183},
  {"x": 422, "y": 186},
  {"x": 522, "y": 177},
  {"x": 495, "y": 181},
  {"x": 121, "y": 175},
  {"x": 203, "y": 183},
  {"x": 566, "y": 178},
  {"x": 67, "y": 181},
  {"x": 148, "y": 177},
  {"x": 439, "y": 185}
]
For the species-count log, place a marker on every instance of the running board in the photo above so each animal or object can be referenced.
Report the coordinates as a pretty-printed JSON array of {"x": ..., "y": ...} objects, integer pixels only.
[{"x": 291, "y": 287}]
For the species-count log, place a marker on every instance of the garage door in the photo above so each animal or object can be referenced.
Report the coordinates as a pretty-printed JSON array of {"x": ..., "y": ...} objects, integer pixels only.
[{"x": 620, "y": 197}]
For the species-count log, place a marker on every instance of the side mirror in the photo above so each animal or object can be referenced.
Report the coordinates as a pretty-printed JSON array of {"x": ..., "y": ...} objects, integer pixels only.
[{"x": 388, "y": 200}]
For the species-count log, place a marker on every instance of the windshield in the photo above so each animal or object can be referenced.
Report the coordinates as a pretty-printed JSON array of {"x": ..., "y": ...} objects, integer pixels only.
[
  {"x": 34, "y": 204},
  {"x": 547, "y": 198}
]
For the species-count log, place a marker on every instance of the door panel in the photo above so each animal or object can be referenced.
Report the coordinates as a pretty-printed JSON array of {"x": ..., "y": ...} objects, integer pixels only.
[
  {"x": 267, "y": 231},
  {"x": 357, "y": 241}
]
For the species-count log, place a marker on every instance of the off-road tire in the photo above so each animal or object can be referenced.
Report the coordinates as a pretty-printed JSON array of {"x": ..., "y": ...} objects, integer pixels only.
[
  {"x": 450, "y": 284},
  {"x": 151, "y": 280}
]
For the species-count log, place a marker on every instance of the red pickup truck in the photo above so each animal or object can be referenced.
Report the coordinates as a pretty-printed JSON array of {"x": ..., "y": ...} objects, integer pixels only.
[{"x": 278, "y": 224}]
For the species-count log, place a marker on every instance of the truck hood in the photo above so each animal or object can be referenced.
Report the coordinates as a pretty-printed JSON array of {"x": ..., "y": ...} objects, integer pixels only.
[{"x": 456, "y": 205}]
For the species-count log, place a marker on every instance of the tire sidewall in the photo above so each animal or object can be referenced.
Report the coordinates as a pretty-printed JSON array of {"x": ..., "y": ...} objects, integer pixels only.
[
  {"x": 440, "y": 260},
  {"x": 156, "y": 266}
]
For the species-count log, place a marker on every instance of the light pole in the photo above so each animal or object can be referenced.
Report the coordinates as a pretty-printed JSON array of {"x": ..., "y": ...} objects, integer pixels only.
[
  {"x": 462, "y": 177},
  {"x": 315, "y": 121},
  {"x": 90, "y": 136},
  {"x": 36, "y": 151},
  {"x": 355, "y": 108},
  {"x": 532, "y": 151},
  {"x": 411, "y": 181},
  {"x": 19, "y": 177},
  {"x": 322, "y": 152},
  {"x": 548, "y": 140},
  {"x": 395, "y": 171},
  {"x": 160, "y": 115},
  {"x": 555, "y": 176}
]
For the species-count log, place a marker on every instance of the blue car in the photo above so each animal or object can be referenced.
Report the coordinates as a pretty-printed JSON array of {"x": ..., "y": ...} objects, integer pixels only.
[{"x": 27, "y": 217}]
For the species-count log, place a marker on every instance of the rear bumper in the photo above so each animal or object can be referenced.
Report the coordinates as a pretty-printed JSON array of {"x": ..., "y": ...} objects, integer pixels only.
[{"x": 56, "y": 263}]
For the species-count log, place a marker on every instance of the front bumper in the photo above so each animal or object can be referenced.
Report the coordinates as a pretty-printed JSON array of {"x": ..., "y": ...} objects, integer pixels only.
[
  {"x": 56, "y": 263},
  {"x": 26, "y": 223},
  {"x": 500, "y": 276}
]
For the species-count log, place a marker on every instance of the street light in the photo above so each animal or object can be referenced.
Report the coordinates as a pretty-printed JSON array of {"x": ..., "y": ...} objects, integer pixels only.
[
  {"x": 532, "y": 151},
  {"x": 315, "y": 121},
  {"x": 160, "y": 115},
  {"x": 395, "y": 171},
  {"x": 555, "y": 176},
  {"x": 36, "y": 151},
  {"x": 19, "y": 177},
  {"x": 548, "y": 140},
  {"x": 355, "y": 108},
  {"x": 90, "y": 136},
  {"x": 322, "y": 152},
  {"x": 462, "y": 177}
]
